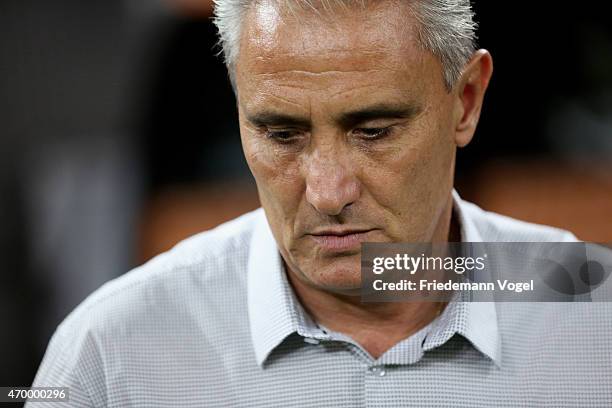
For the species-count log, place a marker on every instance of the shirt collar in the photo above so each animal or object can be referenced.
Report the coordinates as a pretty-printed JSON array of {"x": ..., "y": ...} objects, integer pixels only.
[
  {"x": 476, "y": 321},
  {"x": 275, "y": 312}
]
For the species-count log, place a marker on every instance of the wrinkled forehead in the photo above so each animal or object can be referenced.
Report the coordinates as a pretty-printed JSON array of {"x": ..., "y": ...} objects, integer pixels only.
[{"x": 299, "y": 30}]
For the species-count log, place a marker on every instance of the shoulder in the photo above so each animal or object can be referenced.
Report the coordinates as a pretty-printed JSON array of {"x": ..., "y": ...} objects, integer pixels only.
[
  {"x": 217, "y": 254},
  {"x": 495, "y": 227},
  {"x": 169, "y": 296}
]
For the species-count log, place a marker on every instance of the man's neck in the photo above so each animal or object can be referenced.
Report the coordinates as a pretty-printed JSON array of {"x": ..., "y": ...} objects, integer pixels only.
[{"x": 374, "y": 326}]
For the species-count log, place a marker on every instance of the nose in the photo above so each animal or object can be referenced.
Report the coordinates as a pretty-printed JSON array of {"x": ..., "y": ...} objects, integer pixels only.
[{"x": 331, "y": 183}]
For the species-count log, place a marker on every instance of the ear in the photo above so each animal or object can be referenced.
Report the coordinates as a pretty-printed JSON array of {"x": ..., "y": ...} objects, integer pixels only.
[{"x": 469, "y": 94}]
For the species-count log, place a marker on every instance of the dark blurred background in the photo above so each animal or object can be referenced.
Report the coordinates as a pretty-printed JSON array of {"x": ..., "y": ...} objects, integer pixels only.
[{"x": 118, "y": 138}]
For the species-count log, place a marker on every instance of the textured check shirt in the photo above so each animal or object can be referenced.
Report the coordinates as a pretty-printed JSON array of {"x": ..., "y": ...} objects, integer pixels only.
[{"x": 215, "y": 323}]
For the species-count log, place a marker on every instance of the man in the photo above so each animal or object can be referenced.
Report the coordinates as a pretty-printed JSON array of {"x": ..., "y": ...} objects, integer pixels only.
[{"x": 350, "y": 116}]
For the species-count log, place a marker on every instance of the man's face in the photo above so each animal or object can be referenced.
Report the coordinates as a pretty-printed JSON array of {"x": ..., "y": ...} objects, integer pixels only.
[{"x": 349, "y": 132}]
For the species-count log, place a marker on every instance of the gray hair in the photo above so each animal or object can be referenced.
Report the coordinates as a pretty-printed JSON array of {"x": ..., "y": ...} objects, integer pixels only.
[{"x": 446, "y": 28}]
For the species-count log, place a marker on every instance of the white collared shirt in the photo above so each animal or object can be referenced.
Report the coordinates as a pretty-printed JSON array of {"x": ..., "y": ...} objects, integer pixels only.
[{"x": 214, "y": 322}]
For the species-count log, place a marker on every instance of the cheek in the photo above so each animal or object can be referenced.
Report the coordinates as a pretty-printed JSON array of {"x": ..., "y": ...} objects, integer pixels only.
[
  {"x": 412, "y": 182},
  {"x": 269, "y": 165},
  {"x": 277, "y": 177}
]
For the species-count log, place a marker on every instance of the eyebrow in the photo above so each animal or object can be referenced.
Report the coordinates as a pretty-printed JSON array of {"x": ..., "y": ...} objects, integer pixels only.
[
  {"x": 380, "y": 111},
  {"x": 278, "y": 119},
  {"x": 346, "y": 119}
]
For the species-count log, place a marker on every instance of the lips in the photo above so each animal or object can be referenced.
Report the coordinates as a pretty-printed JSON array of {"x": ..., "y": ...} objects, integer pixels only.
[{"x": 340, "y": 240}]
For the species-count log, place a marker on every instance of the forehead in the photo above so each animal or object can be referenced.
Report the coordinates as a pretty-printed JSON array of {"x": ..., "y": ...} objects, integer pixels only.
[
  {"x": 334, "y": 60},
  {"x": 279, "y": 36}
]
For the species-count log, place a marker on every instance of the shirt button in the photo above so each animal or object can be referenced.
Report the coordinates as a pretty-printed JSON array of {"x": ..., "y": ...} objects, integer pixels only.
[
  {"x": 311, "y": 340},
  {"x": 378, "y": 371}
]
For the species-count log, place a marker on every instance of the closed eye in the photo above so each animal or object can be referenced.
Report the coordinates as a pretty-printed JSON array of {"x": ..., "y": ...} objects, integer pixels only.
[
  {"x": 372, "y": 133},
  {"x": 282, "y": 136}
]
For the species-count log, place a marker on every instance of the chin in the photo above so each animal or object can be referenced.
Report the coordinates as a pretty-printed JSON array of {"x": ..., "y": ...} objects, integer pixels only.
[{"x": 338, "y": 276}]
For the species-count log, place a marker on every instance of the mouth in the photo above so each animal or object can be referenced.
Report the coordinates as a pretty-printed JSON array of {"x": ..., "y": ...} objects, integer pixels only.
[{"x": 340, "y": 240}]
